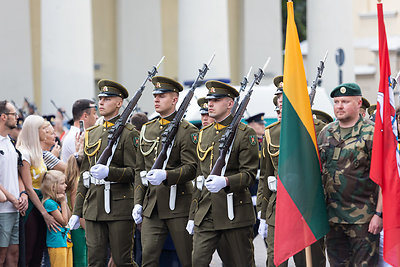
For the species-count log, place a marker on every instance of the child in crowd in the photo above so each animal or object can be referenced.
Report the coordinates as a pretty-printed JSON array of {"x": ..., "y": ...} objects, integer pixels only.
[{"x": 55, "y": 202}]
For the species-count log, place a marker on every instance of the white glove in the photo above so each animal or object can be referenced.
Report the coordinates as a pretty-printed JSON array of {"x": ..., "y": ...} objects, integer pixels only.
[
  {"x": 137, "y": 213},
  {"x": 156, "y": 176},
  {"x": 254, "y": 200},
  {"x": 259, "y": 215},
  {"x": 73, "y": 222},
  {"x": 272, "y": 183},
  {"x": 99, "y": 171},
  {"x": 263, "y": 228},
  {"x": 190, "y": 227},
  {"x": 214, "y": 183}
]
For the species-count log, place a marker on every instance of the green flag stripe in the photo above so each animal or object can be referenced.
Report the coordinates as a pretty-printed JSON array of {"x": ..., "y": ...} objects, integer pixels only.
[{"x": 299, "y": 170}]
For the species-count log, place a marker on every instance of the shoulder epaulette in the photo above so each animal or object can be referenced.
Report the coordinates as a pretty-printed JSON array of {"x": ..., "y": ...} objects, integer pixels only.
[
  {"x": 242, "y": 126},
  {"x": 184, "y": 123},
  {"x": 272, "y": 125},
  {"x": 206, "y": 127},
  {"x": 129, "y": 126},
  {"x": 93, "y": 127},
  {"x": 149, "y": 122}
]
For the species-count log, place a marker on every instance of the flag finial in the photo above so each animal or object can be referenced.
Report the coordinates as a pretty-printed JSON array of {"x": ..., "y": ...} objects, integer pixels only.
[{"x": 379, "y": 1}]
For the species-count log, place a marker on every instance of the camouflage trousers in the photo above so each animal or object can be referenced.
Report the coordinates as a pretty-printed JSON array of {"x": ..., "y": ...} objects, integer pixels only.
[{"x": 352, "y": 245}]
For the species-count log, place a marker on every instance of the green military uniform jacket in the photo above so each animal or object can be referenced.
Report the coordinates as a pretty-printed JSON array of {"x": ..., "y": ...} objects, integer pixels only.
[
  {"x": 351, "y": 195},
  {"x": 181, "y": 168},
  {"x": 241, "y": 171},
  {"x": 269, "y": 167},
  {"x": 90, "y": 201}
]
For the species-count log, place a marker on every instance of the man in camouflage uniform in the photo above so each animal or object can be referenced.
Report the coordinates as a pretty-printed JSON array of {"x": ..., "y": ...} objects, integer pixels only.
[
  {"x": 267, "y": 189},
  {"x": 224, "y": 210},
  {"x": 105, "y": 196},
  {"x": 163, "y": 197},
  {"x": 353, "y": 200}
]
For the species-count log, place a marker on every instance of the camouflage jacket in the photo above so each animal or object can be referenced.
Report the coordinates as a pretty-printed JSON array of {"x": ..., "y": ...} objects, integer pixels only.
[{"x": 351, "y": 196}]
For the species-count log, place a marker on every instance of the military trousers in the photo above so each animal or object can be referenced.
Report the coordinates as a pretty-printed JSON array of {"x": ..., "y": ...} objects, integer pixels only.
[
  {"x": 154, "y": 234},
  {"x": 352, "y": 245},
  {"x": 234, "y": 244},
  {"x": 118, "y": 234},
  {"x": 317, "y": 252}
]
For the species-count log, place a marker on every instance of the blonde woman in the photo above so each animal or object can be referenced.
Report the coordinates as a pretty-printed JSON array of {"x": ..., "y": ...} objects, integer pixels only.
[
  {"x": 32, "y": 173},
  {"x": 50, "y": 157}
]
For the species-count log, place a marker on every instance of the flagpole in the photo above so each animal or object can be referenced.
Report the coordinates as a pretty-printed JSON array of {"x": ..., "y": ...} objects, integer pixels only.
[{"x": 308, "y": 257}]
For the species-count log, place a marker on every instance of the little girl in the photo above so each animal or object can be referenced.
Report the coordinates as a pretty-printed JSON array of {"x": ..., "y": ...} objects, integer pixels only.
[{"x": 55, "y": 202}]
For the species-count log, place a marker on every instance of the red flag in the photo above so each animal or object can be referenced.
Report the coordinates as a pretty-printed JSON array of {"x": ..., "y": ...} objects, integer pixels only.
[{"x": 385, "y": 162}]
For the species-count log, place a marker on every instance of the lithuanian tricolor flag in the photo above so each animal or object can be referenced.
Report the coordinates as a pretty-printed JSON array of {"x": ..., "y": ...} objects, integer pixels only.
[{"x": 301, "y": 217}]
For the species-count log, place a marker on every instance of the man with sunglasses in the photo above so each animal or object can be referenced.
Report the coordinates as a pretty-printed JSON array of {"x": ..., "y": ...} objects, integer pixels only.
[
  {"x": 12, "y": 187},
  {"x": 82, "y": 110}
]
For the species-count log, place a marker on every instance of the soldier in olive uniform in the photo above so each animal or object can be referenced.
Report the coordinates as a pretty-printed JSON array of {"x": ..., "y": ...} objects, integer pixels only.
[
  {"x": 224, "y": 209},
  {"x": 163, "y": 197},
  {"x": 268, "y": 185},
  {"x": 354, "y": 202},
  {"x": 105, "y": 196},
  {"x": 205, "y": 118}
]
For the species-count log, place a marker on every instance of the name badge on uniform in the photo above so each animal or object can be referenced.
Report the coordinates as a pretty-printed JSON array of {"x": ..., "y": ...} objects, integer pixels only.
[{"x": 336, "y": 153}]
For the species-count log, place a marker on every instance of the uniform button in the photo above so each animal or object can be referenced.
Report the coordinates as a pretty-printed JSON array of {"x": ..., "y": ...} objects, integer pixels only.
[
  {"x": 155, "y": 159},
  {"x": 217, "y": 132},
  {"x": 240, "y": 202},
  {"x": 160, "y": 127},
  {"x": 183, "y": 193},
  {"x": 124, "y": 196}
]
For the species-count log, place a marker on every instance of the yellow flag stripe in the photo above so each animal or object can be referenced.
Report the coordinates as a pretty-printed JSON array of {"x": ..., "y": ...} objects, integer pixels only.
[{"x": 294, "y": 77}]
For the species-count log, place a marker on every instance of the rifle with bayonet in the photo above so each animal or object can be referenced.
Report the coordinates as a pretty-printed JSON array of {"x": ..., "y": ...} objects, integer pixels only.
[
  {"x": 320, "y": 70},
  {"x": 62, "y": 111},
  {"x": 168, "y": 135},
  {"x": 243, "y": 85},
  {"x": 116, "y": 130},
  {"x": 21, "y": 111},
  {"x": 32, "y": 109},
  {"x": 227, "y": 139}
]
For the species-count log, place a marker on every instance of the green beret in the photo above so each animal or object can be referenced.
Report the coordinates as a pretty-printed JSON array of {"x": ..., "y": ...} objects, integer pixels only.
[
  {"x": 203, "y": 104},
  {"x": 346, "y": 89},
  {"x": 217, "y": 89},
  {"x": 365, "y": 103},
  {"x": 165, "y": 85},
  {"x": 111, "y": 88},
  {"x": 325, "y": 117}
]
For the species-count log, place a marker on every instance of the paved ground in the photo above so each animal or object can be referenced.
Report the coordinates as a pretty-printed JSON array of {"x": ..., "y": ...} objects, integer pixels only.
[{"x": 260, "y": 255}]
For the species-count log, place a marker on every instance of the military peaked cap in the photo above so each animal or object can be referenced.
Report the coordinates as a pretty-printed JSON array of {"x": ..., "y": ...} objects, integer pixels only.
[
  {"x": 217, "y": 89},
  {"x": 325, "y": 117},
  {"x": 111, "y": 88},
  {"x": 278, "y": 81},
  {"x": 203, "y": 104},
  {"x": 256, "y": 118},
  {"x": 165, "y": 85}
]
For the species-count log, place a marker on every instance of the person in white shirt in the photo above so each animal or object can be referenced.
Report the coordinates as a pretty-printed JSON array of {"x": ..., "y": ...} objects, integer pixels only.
[
  {"x": 12, "y": 187},
  {"x": 82, "y": 109}
]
